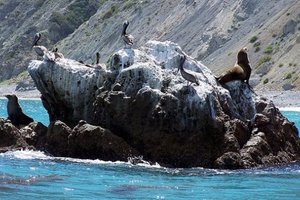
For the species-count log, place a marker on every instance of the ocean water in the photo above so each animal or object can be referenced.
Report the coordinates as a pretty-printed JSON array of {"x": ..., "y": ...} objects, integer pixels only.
[
  {"x": 31, "y": 107},
  {"x": 34, "y": 175}
]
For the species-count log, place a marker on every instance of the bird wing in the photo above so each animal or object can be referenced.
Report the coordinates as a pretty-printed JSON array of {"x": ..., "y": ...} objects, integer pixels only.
[
  {"x": 128, "y": 39},
  {"x": 49, "y": 56},
  {"x": 39, "y": 50},
  {"x": 58, "y": 55}
]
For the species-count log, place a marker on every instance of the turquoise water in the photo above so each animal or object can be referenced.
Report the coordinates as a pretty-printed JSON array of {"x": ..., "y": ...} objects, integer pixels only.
[
  {"x": 32, "y": 175},
  {"x": 31, "y": 107}
]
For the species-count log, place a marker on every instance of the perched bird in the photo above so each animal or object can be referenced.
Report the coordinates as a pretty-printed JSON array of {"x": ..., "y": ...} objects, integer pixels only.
[
  {"x": 15, "y": 113},
  {"x": 187, "y": 76},
  {"x": 57, "y": 54},
  {"x": 41, "y": 50},
  {"x": 98, "y": 65},
  {"x": 127, "y": 38},
  {"x": 38, "y": 49},
  {"x": 240, "y": 71},
  {"x": 87, "y": 65}
]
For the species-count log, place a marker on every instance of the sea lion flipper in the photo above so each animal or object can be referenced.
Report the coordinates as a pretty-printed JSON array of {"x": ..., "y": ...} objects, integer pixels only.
[{"x": 226, "y": 78}]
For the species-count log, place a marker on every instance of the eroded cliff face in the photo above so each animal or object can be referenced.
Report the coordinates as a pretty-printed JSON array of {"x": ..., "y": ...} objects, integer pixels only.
[
  {"x": 69, "y": 88},
  {"x": 143, "y": 100}
]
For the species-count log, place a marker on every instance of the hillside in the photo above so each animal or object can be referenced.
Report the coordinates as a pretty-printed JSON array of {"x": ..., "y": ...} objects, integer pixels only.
[{"x": 211, "y": 31}]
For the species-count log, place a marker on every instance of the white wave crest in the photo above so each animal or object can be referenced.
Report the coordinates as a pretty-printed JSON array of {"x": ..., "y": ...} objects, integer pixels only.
[
  {"x": 39, "y": 155},
  {"x": 26, "y": 154}
]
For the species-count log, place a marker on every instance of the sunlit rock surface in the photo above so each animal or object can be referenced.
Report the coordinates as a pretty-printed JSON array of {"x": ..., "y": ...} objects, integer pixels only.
[{"x": 142, "y": 99}]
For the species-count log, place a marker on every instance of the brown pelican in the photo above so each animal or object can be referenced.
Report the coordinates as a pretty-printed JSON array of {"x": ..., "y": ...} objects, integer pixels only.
[
  {"x": 38, "y": 49},
  {"x": 187, "y": 76},
  {"x": 57, "y": 54},
  {"x": 98, "y": 65},
  {"x": 87, "y": 65},
  {"x": 127, "y": 38},
  {"x": 41, "y": 50}
]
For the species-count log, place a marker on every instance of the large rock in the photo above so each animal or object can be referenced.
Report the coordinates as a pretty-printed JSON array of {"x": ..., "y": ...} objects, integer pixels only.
[
  {"x": 9, "y": 135},
  {"x": 145, "y": 102},
  {"x": 35, "y": 135},
  {"x": 68, "y": 88},
  {"x": 289, "y": 27},
  {"x": 28, "y": 137},
  {"x": 87, "y": 141}
]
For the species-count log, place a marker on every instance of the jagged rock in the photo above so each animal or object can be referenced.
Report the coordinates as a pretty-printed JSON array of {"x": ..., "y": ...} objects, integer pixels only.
[
  {"x": 88, "y": 141},
  {"x": 57, "y": 138},
  {"x": 25, "y": 86},
  {"x": 28, "y": 137},
  {"x": 264, "y": 68},
  {"x": 68, "y": 88},
  {"x": 35, "y": 135},
  {"x": 9, "y": 134},
  {"x": 288, "y": 86},
  {"x": 289, "y": 27},
  {"x": 213, "y": 43},
  {"x": 241, "y": 16},
  {"x": 144, "y": 101},
  {"x": 229, "y": 160}
]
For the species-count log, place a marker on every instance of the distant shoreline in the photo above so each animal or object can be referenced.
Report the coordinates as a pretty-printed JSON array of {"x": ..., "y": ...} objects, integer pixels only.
[
  {"x": 10, "y": 89},
  {"x": 282, "y": 99}
]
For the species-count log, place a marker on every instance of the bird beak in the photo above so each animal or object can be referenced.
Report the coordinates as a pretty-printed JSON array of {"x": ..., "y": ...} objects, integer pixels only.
[{"x": 7, "y": 96}]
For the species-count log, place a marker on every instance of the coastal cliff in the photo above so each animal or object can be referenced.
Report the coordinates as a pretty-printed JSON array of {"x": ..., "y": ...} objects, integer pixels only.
[
  {"x": 206, "y": 30},
  {"x": 142, "y": 103}
]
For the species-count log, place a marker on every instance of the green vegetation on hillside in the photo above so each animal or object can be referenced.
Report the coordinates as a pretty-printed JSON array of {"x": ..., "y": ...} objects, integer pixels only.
[
  {"x": 266, "y": 81},
  {"x": 268, "y": 49},
  {"x": 76, "y": 13},
  {"x": 288, "y": 75},
  {"x": 253, "y": 39},
  {"x": 109, "y": 13},
  {"x": 129, "y": 3},
  {"x": 257, "y": 46},
  {"x": 262, "y": 60}
]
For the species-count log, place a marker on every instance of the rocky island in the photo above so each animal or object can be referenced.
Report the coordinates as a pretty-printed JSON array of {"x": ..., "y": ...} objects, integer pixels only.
[{"x": 139, "y": 106}]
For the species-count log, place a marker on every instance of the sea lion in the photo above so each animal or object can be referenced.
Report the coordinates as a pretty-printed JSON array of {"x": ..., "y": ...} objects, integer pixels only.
[
  {"x": 240, "y": 71},
  {"x": 15, "y": 113}
]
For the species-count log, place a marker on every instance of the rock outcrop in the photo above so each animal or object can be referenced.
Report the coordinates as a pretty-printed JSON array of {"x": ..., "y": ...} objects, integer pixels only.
[
  {"x": 140, "y": 105},
  {"x": 87, "y": 141},
  {"x": 68, "y": 88},
  {"x": 28, "y": 137}
]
